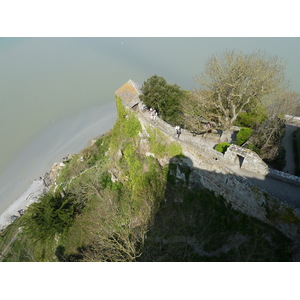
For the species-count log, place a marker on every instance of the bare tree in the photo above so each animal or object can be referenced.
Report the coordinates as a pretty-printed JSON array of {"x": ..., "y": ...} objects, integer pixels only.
[
  {"x": 233, "y": 83},
  {"x": 267, "y": 138},
  {"x": 284, "y": 103}
]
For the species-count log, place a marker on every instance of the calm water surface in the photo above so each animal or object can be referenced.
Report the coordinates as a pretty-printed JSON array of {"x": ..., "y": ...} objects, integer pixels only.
[{"x": 58, "y": 93}]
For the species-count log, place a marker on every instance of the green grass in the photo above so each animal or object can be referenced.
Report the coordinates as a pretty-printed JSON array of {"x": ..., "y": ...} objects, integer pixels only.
[{"x": 159, "y": 145}]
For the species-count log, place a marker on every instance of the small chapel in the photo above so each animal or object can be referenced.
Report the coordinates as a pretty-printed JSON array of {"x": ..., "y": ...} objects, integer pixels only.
[{"x": 129, "y": 93}]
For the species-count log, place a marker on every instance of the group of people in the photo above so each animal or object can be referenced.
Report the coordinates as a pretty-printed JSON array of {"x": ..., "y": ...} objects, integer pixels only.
[{"x": 153, "y": 114}]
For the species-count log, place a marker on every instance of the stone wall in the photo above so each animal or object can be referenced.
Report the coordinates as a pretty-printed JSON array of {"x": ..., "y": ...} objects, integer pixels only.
[
  {"x": 246, "y": 159},
  {"x": 240, "y": 192},
  {"x": 210, "y": 170}
]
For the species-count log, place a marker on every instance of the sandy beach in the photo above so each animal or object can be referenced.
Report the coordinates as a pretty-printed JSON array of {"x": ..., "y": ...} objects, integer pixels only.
[
  {"x": 31, "y": 195},
  {"x": 22, "y": 183}
]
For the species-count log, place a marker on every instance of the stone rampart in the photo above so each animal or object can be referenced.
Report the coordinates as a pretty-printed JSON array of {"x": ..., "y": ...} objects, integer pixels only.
[
  {"x": 213, "y": 170},
  {"x": 292, "y": 179},
  {"x": 235, "y": 155}
]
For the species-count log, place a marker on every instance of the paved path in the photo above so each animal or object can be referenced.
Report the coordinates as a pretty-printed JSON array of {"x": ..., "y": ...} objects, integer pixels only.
[
  {"x": 275, "y": 187},
  {"x": 287, "y": 143}
]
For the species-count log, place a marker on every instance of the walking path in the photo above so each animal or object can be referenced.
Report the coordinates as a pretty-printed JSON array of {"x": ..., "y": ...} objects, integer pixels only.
[{"x": 282, "y": 190}]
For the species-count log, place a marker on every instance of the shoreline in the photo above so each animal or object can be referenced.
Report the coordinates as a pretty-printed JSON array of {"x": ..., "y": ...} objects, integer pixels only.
[
  {"x": 22, "y": 184},
  {"x": 32, "y": 194}
]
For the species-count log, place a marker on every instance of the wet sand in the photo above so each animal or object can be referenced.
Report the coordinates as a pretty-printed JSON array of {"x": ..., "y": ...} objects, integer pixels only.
[{"x": 21, "y": 179}]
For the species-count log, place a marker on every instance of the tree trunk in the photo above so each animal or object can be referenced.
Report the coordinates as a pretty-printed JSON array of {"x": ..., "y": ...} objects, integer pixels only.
[{"x": 227, "y": 136}]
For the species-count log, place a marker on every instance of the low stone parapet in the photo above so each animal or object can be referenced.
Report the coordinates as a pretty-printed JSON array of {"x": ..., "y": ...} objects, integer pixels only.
[
  {"x": 246, "y": 159},
  {"x": 292, "y": 179}
]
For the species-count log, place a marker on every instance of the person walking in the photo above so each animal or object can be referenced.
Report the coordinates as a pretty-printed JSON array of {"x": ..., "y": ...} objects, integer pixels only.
[
  {"x": 154, "y": 115},
  {"x": 178, "y": 131},
  {"x": 151, "y": 113}
]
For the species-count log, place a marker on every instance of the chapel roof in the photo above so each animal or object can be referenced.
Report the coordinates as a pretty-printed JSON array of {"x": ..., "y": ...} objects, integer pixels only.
[{"x": 129, "y": 93}]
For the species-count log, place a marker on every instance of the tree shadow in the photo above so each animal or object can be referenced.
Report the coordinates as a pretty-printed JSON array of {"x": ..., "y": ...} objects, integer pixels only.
[{"x": 63, "y": 257}]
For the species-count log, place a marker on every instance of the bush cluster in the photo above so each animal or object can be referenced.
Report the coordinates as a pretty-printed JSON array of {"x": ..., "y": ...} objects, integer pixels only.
[
  {"x": 243, "y": 135},
  {"x": 222, "y": 147},
  {"x": 164, "y": 97}
]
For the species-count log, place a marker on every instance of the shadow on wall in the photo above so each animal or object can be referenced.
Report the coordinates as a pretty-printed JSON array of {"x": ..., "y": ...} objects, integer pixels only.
[{"x": 193, "y": 224}]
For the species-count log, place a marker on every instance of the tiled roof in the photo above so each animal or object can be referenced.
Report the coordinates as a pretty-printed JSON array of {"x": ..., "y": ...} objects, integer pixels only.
[
  {"x": 129, "y": 93},
  {"x": 136, "y": 85}
]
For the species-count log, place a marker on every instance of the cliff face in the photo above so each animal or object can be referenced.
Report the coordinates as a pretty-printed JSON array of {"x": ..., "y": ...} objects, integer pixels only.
[{"x": 138, "y": 193}]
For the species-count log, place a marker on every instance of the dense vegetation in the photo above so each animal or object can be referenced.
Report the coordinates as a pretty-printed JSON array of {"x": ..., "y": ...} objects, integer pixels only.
[
  {"x": 246, "y": 90},
  {"x": 243, "y": 135},
  {"x": 235, "y": 89},
  {"x": 113, "y": 202},
  {"x": 164, "y": 97}
]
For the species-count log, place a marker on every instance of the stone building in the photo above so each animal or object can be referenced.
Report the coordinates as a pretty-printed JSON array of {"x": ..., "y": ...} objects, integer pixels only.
[{"x": 129, "y": 94}]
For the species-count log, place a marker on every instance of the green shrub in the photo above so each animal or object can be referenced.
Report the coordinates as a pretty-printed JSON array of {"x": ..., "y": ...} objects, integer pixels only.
[
  {"x": 252, "y": 119},
  {"x": 52, "y": 214},
  {"x": 164, "y": 97},
  {"x": 222, "y": 147},
  {"x": 243, "y": 135}
]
